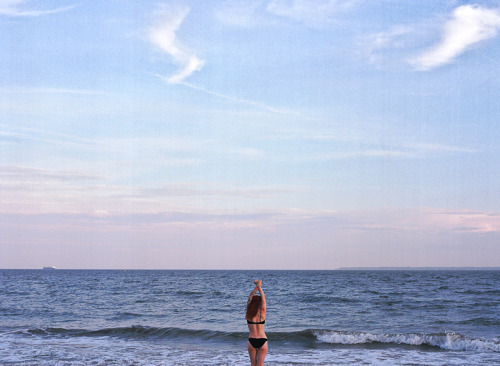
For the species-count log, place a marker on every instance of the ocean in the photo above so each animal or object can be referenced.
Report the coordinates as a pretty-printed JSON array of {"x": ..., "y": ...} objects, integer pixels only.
[{"x": 93, "y": 317}]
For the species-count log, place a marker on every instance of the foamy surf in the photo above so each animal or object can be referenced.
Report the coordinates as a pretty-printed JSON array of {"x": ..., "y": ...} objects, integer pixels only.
[{"x": 448, "y": 341}]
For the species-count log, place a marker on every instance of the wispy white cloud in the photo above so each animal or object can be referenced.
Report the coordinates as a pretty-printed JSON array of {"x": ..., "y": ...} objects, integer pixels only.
[
  {"x": 30, "y": 135},
  {"x": 311, "y": 13},
  {"x": 242, "y": 101},
  {"x": 32, "y": 189},
  {"x": 314, "y": 13},
  {"x": 175, "y": 150},
  {"x": 470, "y": 24},
  {"x": 16, "y": 174},
  {"x": 253, "y": 103},
  {"x": 239, "y": 13},
  {"x": 163, "y": 35},
  {"x": 372, "y": 45},
  {"x": 16, "y": 8},
  {"x": 212, "y": 190},
  {"x": 426, "y": 147},
  {"x": 27, "y": 189},
  {"x": 17, "y": 90},
  {"x": 355, "y": 144}
]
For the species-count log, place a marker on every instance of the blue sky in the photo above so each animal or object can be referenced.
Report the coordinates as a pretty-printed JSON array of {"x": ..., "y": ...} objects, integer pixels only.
[{"x": 306, "y": 134}]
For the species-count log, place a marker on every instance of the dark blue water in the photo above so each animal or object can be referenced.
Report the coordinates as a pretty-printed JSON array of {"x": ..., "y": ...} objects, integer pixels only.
[{"x": 75, "y": 317}]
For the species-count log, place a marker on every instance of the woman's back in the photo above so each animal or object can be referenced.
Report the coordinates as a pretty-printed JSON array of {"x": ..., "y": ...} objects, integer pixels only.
[{"x": 256, "y": 324}]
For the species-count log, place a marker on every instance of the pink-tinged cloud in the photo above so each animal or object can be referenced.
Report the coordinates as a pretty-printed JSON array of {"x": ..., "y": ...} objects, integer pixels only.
[{"x": 291, "y": 239}]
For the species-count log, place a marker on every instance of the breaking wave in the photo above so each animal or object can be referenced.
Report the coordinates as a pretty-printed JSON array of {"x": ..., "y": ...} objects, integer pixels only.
[
  {"x": 447, "y": 341},
  {"x": 450, "y": 341}
]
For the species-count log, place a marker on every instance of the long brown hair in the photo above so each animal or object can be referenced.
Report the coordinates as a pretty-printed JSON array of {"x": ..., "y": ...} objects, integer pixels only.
[{"x": 253, "y": 307}]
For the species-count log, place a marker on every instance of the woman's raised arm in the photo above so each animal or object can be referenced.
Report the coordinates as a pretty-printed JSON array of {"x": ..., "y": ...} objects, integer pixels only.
[
  {"x": 263, "y": 301},
  {"x": 258, "y": 287},
  {"x": 253, "y": 292}
]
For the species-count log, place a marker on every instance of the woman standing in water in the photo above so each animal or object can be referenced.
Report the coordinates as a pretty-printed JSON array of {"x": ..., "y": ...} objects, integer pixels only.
[{"x": 256, "y": 318}]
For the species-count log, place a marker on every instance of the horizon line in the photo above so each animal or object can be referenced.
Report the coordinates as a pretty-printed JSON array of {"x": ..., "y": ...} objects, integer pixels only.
[{"x": 353, "y": 268}]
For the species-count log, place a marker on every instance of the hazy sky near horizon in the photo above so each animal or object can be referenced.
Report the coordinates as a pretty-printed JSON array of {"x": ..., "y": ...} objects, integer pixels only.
[{"x": 266, "y": 134}]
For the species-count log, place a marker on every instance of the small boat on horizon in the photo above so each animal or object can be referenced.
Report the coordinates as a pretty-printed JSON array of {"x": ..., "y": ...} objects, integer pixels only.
[{"x": 50, "y": 267}]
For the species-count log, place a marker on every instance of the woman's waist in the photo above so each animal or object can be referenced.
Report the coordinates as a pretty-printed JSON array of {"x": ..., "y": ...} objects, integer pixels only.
[{"x": 257, "y": 334}]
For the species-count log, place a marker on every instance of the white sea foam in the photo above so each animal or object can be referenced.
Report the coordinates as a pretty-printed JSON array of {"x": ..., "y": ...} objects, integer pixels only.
[
  {"x": 447, "y": 341},
  {"x": 109, "y": 351}
]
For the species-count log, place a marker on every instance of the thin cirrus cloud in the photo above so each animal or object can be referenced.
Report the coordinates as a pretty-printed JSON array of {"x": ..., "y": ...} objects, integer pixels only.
[
  {"x": 163, "y": 35},
  {"x": 16, "y": 8},
  {"x": 372, "y": 46},
  {"x": 313, "y": 13},
  {"x": 239, "y": 13},
  {"x": 469, "y": 25}
]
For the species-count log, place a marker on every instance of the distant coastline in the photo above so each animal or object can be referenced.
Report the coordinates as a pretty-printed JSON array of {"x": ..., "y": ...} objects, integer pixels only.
[{"x": 419, "y": 269}]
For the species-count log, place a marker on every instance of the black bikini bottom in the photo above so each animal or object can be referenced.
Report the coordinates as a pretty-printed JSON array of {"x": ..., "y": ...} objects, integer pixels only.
[{"x": 257, "y": 342}]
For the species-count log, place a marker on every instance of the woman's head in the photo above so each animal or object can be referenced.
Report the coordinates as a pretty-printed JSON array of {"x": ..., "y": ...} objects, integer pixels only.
[{"x": 253, "y": 307}]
